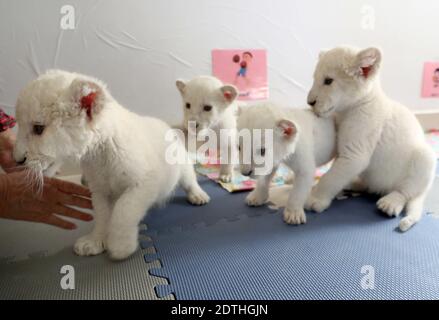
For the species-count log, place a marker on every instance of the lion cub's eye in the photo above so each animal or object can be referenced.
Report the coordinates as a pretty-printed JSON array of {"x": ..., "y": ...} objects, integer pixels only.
[
  {"x": 188, "y": 105},
  {"x": 38, "y": 129},
  {"x": 328, "y": 81},
  {"x": 207, "y": 108}
]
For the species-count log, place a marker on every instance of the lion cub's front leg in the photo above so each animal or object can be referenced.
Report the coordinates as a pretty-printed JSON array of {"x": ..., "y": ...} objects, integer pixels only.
[
  {"x": 226, "y": 164},
  {"x": 259, "y": 195}
]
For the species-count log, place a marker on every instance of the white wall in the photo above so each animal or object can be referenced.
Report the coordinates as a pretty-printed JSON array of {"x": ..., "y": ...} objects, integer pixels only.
[{"x": 139, "y": 47}]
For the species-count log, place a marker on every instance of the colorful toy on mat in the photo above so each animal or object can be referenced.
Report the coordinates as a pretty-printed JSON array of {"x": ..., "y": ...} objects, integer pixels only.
[
  {"x": 210, "y": 168},
  {"x": 239, "y": 182}
]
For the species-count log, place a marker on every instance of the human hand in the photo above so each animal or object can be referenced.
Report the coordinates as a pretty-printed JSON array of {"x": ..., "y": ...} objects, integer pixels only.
[
  {"x": 19, "y": 202},
  {"x": 7, "y": 141}
]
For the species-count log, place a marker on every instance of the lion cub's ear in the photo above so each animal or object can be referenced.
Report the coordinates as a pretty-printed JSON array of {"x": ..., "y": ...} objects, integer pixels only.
[
  {"x": 366, "y": 63},
  {"x": 181, "y": 85},
  {"x": 88, "y": 96},
  {"x": 287, "y": 129},
  {"x": 229, "y": 93}
]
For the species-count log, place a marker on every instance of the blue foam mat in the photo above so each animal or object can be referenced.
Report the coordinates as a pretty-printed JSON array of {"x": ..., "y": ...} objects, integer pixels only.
[
  {"x": 179, "y": 215},
  {"x": 260, "y": 257}
]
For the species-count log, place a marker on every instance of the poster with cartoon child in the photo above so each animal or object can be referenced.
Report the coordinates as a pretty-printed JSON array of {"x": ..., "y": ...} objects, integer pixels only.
[
  {"x": 430, "y": 86},
  {"x": 246, "y": 69}
]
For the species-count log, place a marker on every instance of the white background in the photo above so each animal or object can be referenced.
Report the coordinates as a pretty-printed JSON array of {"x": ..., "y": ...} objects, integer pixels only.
[{"x": 139, "y": 47}]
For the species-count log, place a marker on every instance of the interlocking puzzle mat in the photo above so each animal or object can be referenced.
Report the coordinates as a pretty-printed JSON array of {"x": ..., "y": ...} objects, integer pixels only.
[
  {"x": 257, "y": 256},
  {"x": 22, "y": 240},
  {"x": 95, "y": 278},
  {"x": 241, "y": 252},
  {"x": 31, "y": 256},
  {"x": 432, "y": 202},
  {"x": 179, "y": 214}
]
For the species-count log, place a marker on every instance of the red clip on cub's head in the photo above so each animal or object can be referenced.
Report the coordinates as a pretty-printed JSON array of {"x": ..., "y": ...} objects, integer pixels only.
[{"x": 87, "y": 103}]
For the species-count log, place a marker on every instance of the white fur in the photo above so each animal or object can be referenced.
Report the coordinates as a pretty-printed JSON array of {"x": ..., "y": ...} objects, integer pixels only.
[
  {"x": 209, "y": 91},
  {"x": 379, "y": 140},
  {"x": 121, "y": 154},
  {"x": 312, "y": 145}
]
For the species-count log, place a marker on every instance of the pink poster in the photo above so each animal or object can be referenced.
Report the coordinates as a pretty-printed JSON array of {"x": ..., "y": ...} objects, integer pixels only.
[
  {"x": 246, "y": 69},
  {"x": 430, "y": 87}
]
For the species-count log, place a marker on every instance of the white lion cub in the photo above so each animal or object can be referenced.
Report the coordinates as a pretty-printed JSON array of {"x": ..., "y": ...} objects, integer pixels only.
[
  {"x": 379, "y": 140},
  {"x": 301, "y": 140},
  {"x": 210, "y": 104},
  {"x": 63, "y": 115}
]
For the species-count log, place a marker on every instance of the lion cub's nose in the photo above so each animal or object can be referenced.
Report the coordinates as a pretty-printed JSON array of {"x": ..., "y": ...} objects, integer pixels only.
[
  {"x": 248, "y": 173},
  {"x": 312, "y": 103}
]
